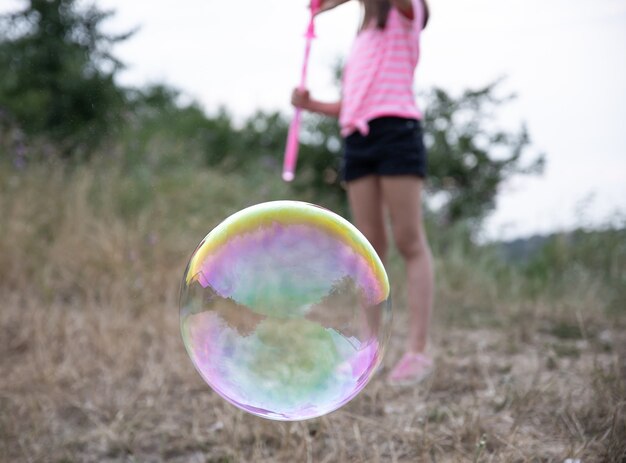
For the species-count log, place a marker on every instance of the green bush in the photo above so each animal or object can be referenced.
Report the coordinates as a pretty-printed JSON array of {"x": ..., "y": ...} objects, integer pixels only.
[{"x": 567, "y": 259}]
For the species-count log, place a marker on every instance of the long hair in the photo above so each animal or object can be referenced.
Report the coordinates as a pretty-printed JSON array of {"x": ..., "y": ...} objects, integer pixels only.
[{"x": 378, "y": 10}]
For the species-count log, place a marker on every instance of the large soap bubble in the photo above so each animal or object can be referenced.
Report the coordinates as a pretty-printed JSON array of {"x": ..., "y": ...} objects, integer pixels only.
[{"x": 285, "y": 310}]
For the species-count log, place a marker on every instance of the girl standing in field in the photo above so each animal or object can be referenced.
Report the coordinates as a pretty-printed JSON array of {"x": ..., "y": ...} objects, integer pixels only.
[{"x": 384, "y": 163}]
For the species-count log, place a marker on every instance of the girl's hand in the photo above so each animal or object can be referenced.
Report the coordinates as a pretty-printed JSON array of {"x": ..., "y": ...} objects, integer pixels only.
[{"x": 301, "y": 99}]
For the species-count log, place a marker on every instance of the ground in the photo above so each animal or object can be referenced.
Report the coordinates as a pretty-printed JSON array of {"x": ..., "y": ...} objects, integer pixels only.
[
  {"x": 110, "y": 384},
  {"x": 93, "y": 368}
]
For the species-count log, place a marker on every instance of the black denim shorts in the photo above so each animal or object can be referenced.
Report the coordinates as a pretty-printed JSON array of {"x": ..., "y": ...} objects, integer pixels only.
[{"x": 393, "y": 146}]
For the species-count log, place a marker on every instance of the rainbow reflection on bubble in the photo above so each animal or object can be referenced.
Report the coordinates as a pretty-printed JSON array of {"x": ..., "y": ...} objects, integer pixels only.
[{"x": 285, "y": 310}]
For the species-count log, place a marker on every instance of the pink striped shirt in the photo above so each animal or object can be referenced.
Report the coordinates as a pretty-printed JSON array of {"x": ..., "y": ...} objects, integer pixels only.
[{"x": 379, "y": 73}]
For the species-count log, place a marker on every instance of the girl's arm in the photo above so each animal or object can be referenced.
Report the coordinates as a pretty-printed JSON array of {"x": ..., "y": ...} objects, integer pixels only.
[
  {"x": 302, "y": 99},
  {"x": 426, "y": 12}
]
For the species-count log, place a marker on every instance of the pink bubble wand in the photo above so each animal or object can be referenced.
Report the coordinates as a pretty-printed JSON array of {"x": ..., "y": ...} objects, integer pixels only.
[{"x": 291, "y": 150}]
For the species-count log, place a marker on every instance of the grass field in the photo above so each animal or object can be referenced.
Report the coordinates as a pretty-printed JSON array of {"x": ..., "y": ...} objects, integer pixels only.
[{"x": 92, "y": 367}]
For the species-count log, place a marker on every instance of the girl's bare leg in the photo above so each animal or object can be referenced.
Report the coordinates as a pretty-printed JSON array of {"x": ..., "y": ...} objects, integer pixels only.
[
  {"x": 365, "y": 197},
  {"x": 366, "y": 204},
  {"x": 402, "y": 196}
]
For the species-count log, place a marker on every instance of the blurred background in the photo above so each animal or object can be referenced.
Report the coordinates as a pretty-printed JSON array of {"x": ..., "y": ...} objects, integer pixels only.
[
  {"x": 129, "y": 129},
  {"x": 556, "y": 70},
  {"x": 564, "y": 61}
]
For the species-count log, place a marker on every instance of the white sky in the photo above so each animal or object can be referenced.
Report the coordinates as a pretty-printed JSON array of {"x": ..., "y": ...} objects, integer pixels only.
[{"x": 566, "y": 60}]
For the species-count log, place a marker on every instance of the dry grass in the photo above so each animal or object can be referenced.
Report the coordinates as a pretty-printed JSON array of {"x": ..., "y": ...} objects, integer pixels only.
[{"x": 93, "y": 368}]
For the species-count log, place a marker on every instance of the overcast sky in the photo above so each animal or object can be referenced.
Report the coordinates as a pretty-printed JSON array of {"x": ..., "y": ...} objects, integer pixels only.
[{"x": 566, "y": 60}]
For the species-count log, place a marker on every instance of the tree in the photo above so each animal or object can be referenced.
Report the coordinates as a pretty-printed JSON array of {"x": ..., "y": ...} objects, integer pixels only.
[
  {"x": 469, "y": 156},
  {"x": 58, "y": 72}
]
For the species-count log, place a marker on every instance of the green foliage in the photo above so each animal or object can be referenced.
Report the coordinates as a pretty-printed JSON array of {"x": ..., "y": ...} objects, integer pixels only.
[
  {"x": 58, "y": 73},
  {"x": 163, "y": 132},
  {"x": 58, "y": 83},
  {"x": 566, "y": 258},
  {"x": 159, "y": 131},
  {"x": 319, "y": 161},
  {"x": 469, "y": 158},
  {"x": 259, "y": 145}
]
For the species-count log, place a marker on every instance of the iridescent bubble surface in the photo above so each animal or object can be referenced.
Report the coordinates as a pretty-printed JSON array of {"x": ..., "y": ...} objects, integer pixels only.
[{"x": 285, "y": 310}]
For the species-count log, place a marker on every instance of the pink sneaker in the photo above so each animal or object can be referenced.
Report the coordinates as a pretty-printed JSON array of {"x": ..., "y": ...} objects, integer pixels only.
[{"x": 411, "y": 369}]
